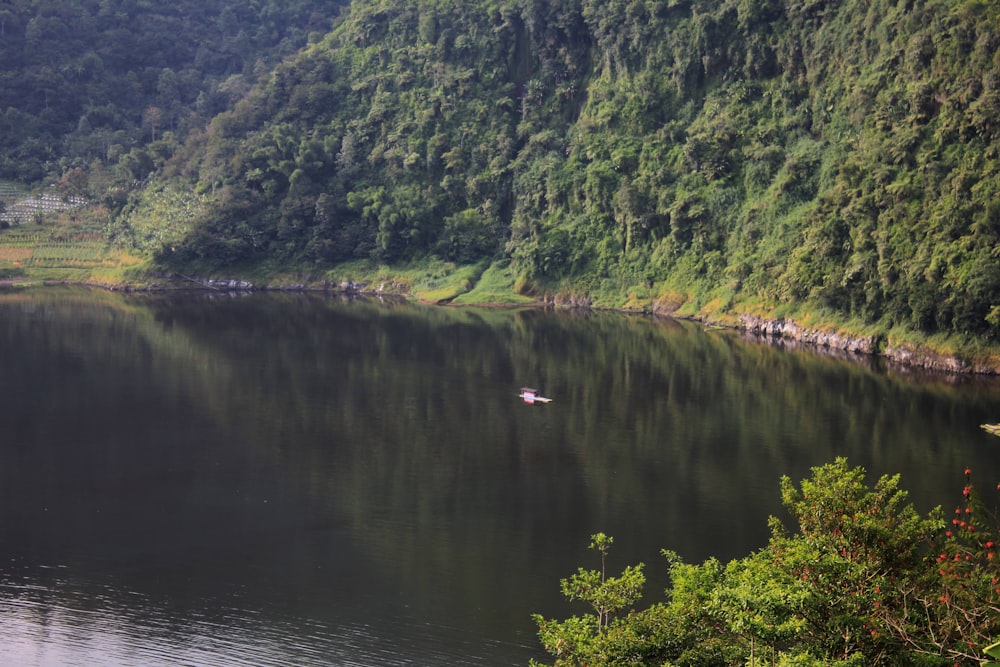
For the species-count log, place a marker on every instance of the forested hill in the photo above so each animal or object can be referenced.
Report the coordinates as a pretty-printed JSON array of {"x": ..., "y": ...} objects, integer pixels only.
[
  {"x": 86, "y": 81},
  {"x": 737, "y": 154}
]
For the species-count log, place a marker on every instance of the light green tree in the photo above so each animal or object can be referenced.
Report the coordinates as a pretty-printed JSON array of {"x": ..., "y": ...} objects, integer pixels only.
[{"x": 576, "y": 641}]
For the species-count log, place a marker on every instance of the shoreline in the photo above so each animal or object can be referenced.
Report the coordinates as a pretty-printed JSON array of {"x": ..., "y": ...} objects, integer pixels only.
[
  {"x": 912, "y": 356},
  {"x": 767, "y": 330}
]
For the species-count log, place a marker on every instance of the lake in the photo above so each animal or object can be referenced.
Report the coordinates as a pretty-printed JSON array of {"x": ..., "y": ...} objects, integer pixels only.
[{"x": 274, "y": 479}]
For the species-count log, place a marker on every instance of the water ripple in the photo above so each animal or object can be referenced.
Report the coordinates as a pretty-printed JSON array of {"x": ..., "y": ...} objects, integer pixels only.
[{"x": 59, "y": 624}]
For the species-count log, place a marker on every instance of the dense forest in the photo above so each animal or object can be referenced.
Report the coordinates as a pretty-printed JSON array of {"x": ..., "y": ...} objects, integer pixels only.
[
  {"x": 85, "y": 82},
  {"x": 737, "y": 155}
]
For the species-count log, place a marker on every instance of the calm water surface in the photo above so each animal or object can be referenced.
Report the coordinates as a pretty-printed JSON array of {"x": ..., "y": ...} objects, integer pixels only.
[{"x": 298, "y": 480}]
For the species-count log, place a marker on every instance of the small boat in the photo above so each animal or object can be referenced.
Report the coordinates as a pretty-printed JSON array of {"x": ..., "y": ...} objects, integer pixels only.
[{"x": 529, "y": 395}]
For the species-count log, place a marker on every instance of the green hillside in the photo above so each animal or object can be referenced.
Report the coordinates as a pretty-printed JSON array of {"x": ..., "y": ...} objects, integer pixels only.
[
  {"x": 723, "y": 156},
  {"x": 83, "y": 83}
]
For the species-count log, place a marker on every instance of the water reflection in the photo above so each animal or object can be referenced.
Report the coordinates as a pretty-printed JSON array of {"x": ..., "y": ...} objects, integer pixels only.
[{"x": 299, "y": 480}]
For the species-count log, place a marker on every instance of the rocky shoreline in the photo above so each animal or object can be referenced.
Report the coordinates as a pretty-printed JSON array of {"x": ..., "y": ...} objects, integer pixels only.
[{"x": 904, "y": 355}]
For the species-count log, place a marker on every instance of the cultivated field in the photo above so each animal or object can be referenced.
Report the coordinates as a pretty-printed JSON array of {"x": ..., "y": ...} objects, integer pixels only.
[{"x": 65, "y": 247}]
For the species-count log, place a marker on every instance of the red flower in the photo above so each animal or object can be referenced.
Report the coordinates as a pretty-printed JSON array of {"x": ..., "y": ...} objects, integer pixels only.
[{"x": 968, "y": 471}]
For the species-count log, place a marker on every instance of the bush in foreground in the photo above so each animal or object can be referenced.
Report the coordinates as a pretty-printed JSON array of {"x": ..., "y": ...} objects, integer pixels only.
[{"x": 864, "y": 580}]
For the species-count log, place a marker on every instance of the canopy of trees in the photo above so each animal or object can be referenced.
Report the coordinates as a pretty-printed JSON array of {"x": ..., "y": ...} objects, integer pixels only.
[
  {"x": 90, "y": 80},
  {"x": 837, "y": 153}
]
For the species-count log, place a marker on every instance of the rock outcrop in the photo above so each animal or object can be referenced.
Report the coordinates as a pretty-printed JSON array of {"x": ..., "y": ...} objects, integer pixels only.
[
  {"x": 913, "y": 356},
  {"x": 789, "y": 329}
]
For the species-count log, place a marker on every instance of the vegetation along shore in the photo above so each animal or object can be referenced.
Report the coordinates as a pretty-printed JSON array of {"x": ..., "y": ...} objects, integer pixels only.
[{"x": 821, "y": 170}]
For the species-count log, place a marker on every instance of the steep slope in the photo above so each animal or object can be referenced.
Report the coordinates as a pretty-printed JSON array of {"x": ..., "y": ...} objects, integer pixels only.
[
  {"x": 739, "y": 155},
  {"x": 398, "y": 134}
]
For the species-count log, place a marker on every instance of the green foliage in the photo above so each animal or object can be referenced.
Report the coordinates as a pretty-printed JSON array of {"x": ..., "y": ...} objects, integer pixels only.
[
  {"x": 577, "y": 641},
  {"x": 865, "y": 580},
  {"x": 86, "y": 81},
  {"x": 857, "y": 552},
  {"x": 157, "y": 218},
  {"x": 827, "y": 153},
  {"x": 840, "y": 155},
  {"x": 606, "y": 595},
  {"x": 759, "y": 607}
]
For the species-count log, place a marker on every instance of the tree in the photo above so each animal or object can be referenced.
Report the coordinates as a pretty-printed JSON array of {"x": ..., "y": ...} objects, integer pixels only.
[
  {"x": 151, "y": 118},
  {"x": 759, "y": 605},
  {"x": 865, "y": 580},
  {"x": 576, "y": 640},
  {"x": 859, "y": 554}
]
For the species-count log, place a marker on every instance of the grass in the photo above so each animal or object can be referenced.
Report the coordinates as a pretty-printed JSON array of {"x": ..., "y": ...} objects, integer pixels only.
[
  {"x": 435, "y": 281},
  {"x": 496, "y": 286}
]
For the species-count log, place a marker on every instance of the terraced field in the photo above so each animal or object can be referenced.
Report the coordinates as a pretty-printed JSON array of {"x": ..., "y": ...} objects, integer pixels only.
[{"x": 63, "y": 250}]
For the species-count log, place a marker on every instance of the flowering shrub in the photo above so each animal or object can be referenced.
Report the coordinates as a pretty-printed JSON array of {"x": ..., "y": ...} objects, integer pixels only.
[{"x": 866, "y": 580}]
